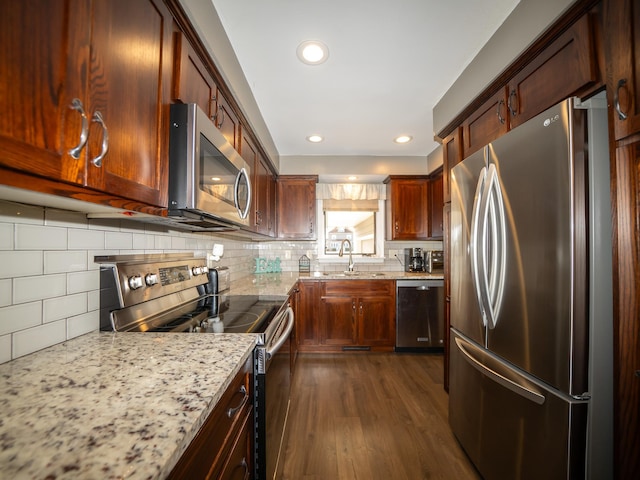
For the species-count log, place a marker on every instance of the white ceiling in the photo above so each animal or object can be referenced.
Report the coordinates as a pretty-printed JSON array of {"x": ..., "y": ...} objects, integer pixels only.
[{"x": 389, "y": 64}]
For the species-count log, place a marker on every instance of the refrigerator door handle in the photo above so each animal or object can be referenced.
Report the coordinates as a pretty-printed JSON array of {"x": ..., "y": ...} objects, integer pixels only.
[
  {"x": 475, "y": 241},
  {"x": 494, "y": 253},
  {"x": 518, "y": 389}
]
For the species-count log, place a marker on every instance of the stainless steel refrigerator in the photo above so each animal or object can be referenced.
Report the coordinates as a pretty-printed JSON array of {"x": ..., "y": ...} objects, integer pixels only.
[{"x": 531, "y": 323}]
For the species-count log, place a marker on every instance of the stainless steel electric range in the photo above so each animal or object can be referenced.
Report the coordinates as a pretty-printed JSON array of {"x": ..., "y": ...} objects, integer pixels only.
[{"x": 179, "y": 293}]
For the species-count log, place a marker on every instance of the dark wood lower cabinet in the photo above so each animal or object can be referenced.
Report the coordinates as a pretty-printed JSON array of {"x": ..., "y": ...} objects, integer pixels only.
[
  {"x": 337, "y": 315},
  {"x": 222, "y": 449}
]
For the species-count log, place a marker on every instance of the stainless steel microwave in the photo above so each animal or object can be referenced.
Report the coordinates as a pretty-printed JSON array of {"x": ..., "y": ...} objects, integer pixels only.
[{"x": 209, "y": 182}]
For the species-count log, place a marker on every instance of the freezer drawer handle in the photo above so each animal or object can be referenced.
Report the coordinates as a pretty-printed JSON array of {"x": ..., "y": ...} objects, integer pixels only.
[{"x": 505, "y": 382}]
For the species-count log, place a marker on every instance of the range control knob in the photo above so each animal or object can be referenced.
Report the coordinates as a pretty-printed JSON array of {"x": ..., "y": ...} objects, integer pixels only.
[
  {"x": 151, "y": 279},
  {"x": 196, "y": 271},
  {"x": 135, "y": 282}
]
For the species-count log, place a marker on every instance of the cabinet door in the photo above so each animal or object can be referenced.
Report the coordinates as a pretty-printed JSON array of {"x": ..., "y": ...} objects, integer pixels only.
[
  {"x": 44, "y": 62},
  {"x": 622, "y": 27},
  {"x": 296, "y": 203},
  {"x": 407, "y": 209},
  {"x": 226, "y": 120},
  {"x": 626, "y": 309},
  {"x": 376, "y": 321},
  {"x": 435, "y": 205},
  {"x": 338, "y": 320},
  {"x": 451, "y": 156},
  {"x": 262, "y": 193},
  {"x": 487, "y": 123},
  {"x": 561, "y": 70},
  {"x": 129, "y": 82},
  {"x": 307, "y": 318},
  {"x": 192, "y": 83}
]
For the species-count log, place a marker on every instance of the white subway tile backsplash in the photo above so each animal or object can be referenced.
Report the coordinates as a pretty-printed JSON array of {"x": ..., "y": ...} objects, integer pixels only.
[
  {"x": 6, "y": 236},
  {"x": 143, "y": 241},
  {"x": 93, "y": 300},
  {"x": 178, "y": 243},
  {"x": 86, "y": 239},
  {"x": 37, "y": 338},
  {"x": 20, "y": 264},
  {"x": 162, "y": 242},
  {"x": 118, "y": 240},
  {"x": 19, "y": 317},
  {"x": 49, "y": 282},
  {"x": 65, "y": 261},
  {"x": 36, "y": 237},
  {"x": 27, "y": 289},
  {"x": 5, "y": 348},
  {"x": 63, "y": 307},
  {"x": 81, "y": 324},
  {"x": 5, "y": 292},
  {"x": 83, "y": 281}
]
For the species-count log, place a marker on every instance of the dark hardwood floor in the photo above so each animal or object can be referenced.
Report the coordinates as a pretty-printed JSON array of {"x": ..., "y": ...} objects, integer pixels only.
[{"x": 371, "y": 416}]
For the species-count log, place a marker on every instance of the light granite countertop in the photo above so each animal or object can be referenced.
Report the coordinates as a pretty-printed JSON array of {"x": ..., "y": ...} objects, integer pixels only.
[
  {"x": 126, "y": 405},
  {"x": 278, "y": 285},
  {"x": 112, "y": 405}
]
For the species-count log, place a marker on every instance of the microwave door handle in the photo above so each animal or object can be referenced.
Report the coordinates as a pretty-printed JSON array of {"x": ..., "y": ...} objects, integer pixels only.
[{"x": 242, "y": 213}]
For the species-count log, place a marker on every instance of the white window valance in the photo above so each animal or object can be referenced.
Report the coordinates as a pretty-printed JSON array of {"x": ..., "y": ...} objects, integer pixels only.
[{"x": 351, "y": 191}]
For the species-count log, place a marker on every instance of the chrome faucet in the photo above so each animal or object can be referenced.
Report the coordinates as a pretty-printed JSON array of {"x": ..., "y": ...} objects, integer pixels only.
[{"x": 341, "y": 252}]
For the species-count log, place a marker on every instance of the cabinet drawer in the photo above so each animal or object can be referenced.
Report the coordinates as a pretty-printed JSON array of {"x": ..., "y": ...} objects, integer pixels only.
[{"x": 359, "y": 287}]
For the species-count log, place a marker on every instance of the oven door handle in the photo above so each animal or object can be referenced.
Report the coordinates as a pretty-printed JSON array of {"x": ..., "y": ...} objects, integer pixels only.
[{"x": 285, "y": 334}]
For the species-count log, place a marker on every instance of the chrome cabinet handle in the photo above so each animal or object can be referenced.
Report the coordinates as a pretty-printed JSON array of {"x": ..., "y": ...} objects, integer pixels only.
[
  {"x": 245, "y": 466},
  {"x": 498, "y": 112},
  {"x": 221, "y": 116},
  {"x": 76, "y": 105},
  {"x": 233, "y": 410},
  {"x": 616, "y": 99},
  {"x": 512, "y": 111},
  {"x": 397, "y": 226},
  {"x": 97, "y": 118}
]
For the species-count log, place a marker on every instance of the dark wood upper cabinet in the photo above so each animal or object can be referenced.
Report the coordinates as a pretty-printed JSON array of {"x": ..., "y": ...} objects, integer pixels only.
[
  {"x": 80, "y": 106},
  {"x": 562, "y": 69},
  {"x": 192, "y": 82},
  {"x": 407, "y": 207},
  {"x": 487, "y": 123},
  {"x": 622, "y": 26},
  {"x": 451, "y": 156},
  {"x": 436, "y": 203},
  {"x": 296, "y": 204},
  {"x": 227, "y": 120}
]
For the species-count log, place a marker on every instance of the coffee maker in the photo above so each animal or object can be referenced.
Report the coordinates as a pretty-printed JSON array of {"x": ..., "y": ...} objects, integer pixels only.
[{"x": 413, "y": 260}]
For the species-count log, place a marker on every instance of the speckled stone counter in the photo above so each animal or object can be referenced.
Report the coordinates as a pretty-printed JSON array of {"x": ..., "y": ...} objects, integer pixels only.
[
  {"x": 112, "y": 405},
  {"x": 277, "y": 285}
]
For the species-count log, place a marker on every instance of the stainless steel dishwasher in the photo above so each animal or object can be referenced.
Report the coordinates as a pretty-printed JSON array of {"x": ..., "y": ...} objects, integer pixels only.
[{"x": 419, "y": 315}]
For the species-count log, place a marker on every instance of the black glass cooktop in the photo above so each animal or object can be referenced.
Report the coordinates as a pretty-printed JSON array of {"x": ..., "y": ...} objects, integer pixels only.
[{"x": 216, "y": 314}]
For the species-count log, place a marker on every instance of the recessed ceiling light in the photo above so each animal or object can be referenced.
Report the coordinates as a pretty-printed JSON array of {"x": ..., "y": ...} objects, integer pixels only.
[
  {"x": 312, "y": 52},
  {"x": 315, "y": 138},
  {"x": 403, "y": 139}
]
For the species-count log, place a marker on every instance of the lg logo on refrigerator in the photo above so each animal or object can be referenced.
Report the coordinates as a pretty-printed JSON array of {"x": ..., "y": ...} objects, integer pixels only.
[{"x": 551, "y": 120}]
